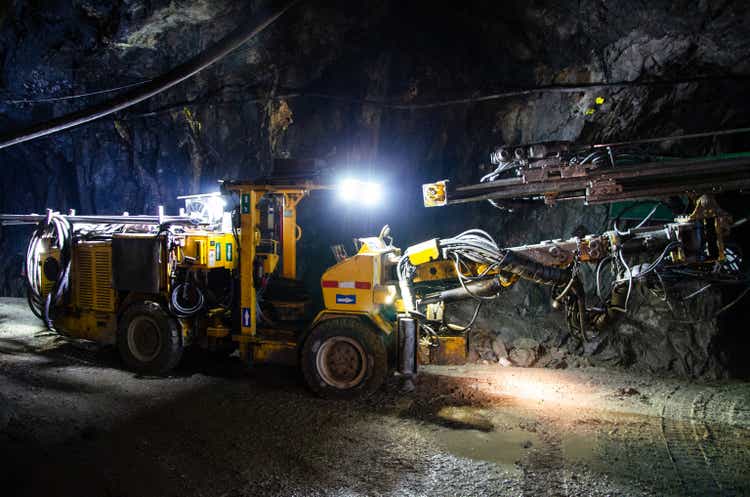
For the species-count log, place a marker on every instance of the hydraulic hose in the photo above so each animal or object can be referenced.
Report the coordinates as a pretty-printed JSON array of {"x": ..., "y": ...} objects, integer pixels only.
[
  {"x": 54, "y": 230},
  {"x": 477, "y": 247},
  {"x": 181, "y": 291},
  {"x": 481, "y": 288},
  {"x": 534, "y": 271}
]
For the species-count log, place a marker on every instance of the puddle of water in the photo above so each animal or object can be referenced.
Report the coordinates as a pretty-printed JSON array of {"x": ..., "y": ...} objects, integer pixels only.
[
  {"x": 505, "y": 438},
  {"x": 504, "y": 447},
  {"x": 580, "y": 447},
  {"x": 484, "y": 435}
]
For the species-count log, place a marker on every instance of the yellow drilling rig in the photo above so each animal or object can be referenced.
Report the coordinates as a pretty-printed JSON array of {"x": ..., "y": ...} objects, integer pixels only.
[
  {"x": 220, "y": 279},
  {"x": 222, "y": 276}
]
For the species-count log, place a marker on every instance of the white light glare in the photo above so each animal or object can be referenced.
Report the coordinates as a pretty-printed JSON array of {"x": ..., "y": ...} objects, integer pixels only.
[
  {"x": 216, "y": 206},
  {"x": 366, "y": 192}
]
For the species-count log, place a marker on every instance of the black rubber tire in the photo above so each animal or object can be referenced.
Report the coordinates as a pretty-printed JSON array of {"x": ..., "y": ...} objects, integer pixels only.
[
  {"x": 375, "y": 363},
  {"x": 168, "y": 354}
]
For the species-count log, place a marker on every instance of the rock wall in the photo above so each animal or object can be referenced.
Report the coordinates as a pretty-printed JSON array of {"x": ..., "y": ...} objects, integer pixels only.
[{"x": 231, "y": 119}]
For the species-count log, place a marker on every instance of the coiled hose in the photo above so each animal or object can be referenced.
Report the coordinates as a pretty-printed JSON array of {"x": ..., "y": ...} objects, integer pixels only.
[
  {"x": 186, "y": 309},
  {"x": 55, "y": 230}
]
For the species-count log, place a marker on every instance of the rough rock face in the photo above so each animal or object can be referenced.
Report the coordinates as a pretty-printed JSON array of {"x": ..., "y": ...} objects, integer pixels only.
[
  {"x": 684, "y": 339},
  {"x": 230, "y": 120}
]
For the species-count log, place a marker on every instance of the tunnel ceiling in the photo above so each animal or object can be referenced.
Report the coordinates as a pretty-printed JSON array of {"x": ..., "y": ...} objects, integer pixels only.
[{"x": 298, "y": 91}]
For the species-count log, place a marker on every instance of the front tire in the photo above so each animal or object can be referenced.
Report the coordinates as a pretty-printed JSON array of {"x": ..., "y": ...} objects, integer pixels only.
[
  {"x": 344, "y": 358},
  {"x": 149, "y": 339}
]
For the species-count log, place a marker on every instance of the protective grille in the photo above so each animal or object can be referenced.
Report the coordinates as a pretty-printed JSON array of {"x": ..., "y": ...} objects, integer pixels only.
[
  {"x": 84, "y": 277},
  {"x": 93, "y": 276},
  {"x": 103, "y": 279}
]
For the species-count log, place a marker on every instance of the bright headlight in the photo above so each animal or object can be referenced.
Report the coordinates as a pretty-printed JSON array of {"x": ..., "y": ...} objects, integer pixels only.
[
  {"x": 347, "y": 190},
  {"x": 366, "y": 192}
]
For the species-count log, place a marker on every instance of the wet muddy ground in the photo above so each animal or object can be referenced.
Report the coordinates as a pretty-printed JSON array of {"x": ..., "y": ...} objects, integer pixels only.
[{"x": 72, "y": 423}]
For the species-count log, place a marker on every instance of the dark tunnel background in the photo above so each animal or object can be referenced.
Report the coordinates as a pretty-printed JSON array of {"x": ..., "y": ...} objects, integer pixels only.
[{"x": 232, "y": 119}]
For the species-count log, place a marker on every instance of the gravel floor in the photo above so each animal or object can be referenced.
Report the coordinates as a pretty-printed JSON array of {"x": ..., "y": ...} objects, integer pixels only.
[{"x": 72, "y": 423}]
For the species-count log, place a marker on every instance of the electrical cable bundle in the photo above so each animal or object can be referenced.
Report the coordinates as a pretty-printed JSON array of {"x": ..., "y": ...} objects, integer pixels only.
[
  {"x": 728, "y": 272},
  {"x": 499, "y": 170},
  {"x": 476, "y": 247},
  {"x": 612, "y": 156},
  {"x": 55, "y": 230}
]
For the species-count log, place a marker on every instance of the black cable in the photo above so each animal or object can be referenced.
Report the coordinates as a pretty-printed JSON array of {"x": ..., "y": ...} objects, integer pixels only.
[
  {"x": 664, "y": 289},
  {"x": 674, "y": 138},
  {"x": 732, "y": 303},
  {"x": 679, "y": 273},
  {"x": 599, "y": 266},
  {"x": 184, "y": 71},
  {"x": 73, "y": 97},
  {"x": 651, "y": 267},
  {"x": 697, "y": 292},
  {"x": 630, "y": 207},
  {"x": 478, "y": 298},
  {"x": 467, "y": 327},
  {"x": 460, "y": 101}
]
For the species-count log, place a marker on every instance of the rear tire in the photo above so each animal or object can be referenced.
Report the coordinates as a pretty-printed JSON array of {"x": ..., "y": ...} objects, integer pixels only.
[
  {"x": 149, "y": 339},
  {"x": 344, "y": 358}
]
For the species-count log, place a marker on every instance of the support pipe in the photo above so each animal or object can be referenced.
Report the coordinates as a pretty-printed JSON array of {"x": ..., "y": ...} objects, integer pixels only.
[
  {"x": 177, "y": 75},
  {"x": 408, "y": 339},
  {"x": 16, "y": 219}
]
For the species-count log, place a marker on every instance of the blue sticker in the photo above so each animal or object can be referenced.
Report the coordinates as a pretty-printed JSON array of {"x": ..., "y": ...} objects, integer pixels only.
[
  {"x": 346, "y": 299},
  {"x": 218, "y": 251},
  {"x": 229, "y": 252},
  {"x": 245, "y": 317}
]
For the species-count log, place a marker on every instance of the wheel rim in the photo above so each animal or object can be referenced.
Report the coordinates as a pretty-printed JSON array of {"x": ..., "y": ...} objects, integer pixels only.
[
  {"x": 144, "y": 338},
  {"x": 341, "y": 362}
]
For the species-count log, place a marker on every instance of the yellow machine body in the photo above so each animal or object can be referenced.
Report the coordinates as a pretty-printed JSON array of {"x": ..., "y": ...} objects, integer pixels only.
[
  {"x": 452, "y": 350},
  {"x": 359, "y": 286},
  {"x": 424, "y": 252},
  {"x": 211, "y": 250},
  {"x": 353, "y": 287},
  {"x": 349, "y": 285},
  {"x": 268, "y": 255},
  {"x": 91, "y": 325},
  {"x": 50, "y": 253},
  {"x": 90, "y": 310},
  {"x": 256, "y": 343}
]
